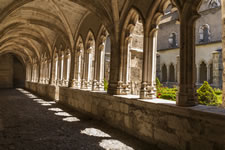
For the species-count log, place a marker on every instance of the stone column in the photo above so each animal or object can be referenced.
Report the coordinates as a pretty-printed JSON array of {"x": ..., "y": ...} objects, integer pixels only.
[
  {"x": 78, "y": 68},
  {"x": 208, "y": 73},
  {"x": 148, "y": 89},
  {"x": 51, "y": 71},
  {"x": 216, "y": 69},
  {"x": 64, "y": 78},
  {"x": 198, "y": 74},
  {"x": 187, "y": 95},
  {"x": 178, "y": 69},
  {"x": 168, "y": 73},
  {"x": 115, "y": 61},
  {"x": 98, "y": 81},
  {"x": 72, "y": 70},
  {"x": 223, "y": 44},
  {"x": 87, "y": 69},
  {"x": 59, "y": 70}
]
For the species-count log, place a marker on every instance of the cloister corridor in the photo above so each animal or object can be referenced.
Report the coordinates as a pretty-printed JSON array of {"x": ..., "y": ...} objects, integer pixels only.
[
  {"x": 82, "y": 74},
  {"x": 28, "y": 122}
]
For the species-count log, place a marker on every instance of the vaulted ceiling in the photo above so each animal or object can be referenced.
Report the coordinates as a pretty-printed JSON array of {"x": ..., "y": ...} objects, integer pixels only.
[{"x": 31, "y": 28}]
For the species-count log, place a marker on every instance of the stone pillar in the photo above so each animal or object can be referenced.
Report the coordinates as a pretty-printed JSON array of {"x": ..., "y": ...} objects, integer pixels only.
[
  {"x": 168, "y": 73},
  {"x": 187, "y": 95},
  {"x": 64, "y": 78},
  {"x": 216, "y": 69},
  {"x": 198, "y": 74},
  {"x": 98, "y": 81},
  {"x": 208, "y": 73},
  {"x": 59, "y": 70},
  {"x": 78, "y": 68},
  {"x": 148, "y": 86},
  {"x": 178, "y": 69},
  {"x": 87, "y": 69},
  {"x": 51, "y": 71},
  {"x": 223, "y": 44},
  {"x": 72, "y": 70}
]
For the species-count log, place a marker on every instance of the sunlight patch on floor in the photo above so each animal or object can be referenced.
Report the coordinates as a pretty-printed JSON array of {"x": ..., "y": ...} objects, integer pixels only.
[
  {"x": 94, "y": 132},
  {"x": 114, "y": 144},
  {"x": 64, "y": 114},
  {"x": 71, "y": 119},
  {"x": 55, "y": 109}
]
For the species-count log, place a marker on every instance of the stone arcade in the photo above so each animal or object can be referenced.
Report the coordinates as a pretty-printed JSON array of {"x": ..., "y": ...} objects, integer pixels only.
[{"x": 67, "y": 46}]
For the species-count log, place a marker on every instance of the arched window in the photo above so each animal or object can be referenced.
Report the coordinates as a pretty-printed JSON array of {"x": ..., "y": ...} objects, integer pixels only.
[
  {"x": 172, "y": 40},
  {"x": 203, "y": 72},
  {"x": 164, "y": 73},
  {"x": 204, "y": 33},
  {"x": 172, "y": 73},
  {"x": 213, "y": 3}
]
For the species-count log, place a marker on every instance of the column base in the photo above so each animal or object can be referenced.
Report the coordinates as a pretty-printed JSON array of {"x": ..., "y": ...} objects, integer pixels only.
[
  {"x": 147, "y": 91},
  {"x": 119, "y": 88},
  {"x": 85, "y": 85},
  {"x": 97, "y": 86},
  {"x": 186, "y": 100}
]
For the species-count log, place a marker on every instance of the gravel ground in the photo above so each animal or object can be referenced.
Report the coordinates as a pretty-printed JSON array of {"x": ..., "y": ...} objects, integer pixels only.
[{"x": 28, "y": 122}]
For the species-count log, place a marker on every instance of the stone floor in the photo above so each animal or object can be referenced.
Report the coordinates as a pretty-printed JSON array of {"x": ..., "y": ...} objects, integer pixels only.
[{"x": 28, "y": 122}]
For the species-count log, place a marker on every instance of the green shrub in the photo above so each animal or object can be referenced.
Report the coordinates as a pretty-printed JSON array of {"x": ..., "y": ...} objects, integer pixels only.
[
  {"x": 158, "y": 84},
  {"x": 167, "y": 93},
  {"x": 106, "y": 84},
  {"x": 217, "y": 91},
  {"x": 168, "y": 96},
  {"x": 206, "y": 95}
]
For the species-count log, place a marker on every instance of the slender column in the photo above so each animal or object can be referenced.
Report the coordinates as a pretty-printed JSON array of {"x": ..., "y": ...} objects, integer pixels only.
[
  {"x": 64, "y": 78},
  {"x": 78, "y": 68},
  {"x": 168, "y": 73},
  {"x": 87, "y": 69},
  {"x": 178, "y": 69},
  {"x": 223, "y": 44},
  {"x": 198, "y": 74},
  {"x": 72, "y": 70},
  {"x": 51, "y": 71},
  {"x": 59, "y": 70},
  {"x": 148, "y": 89},
  {"x": 98, "y": 79},
  {"x": 208, "y": 72},
  {"x": 187, "y": 90}
]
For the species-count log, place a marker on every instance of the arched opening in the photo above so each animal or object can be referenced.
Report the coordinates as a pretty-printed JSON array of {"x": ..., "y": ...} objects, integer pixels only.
[
  {"x": 89, "y": 61},
  {"x": 102, "y": 63},
  {"x": 168, "y": 47},
  {"x": 164, "y": 73},
  {"x": 79, "y": 63},
  {"x": 132, "y": 53},
  {"x": 203, "y": 72},
  {"x": 12, "y": 71},
  {"x": 172, "y": 73},
  {"x": 66, "y": 70}
]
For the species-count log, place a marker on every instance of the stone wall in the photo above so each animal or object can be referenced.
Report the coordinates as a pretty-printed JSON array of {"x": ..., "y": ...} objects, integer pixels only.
[
  {"x": 156, "y": 121},
  {"x": 6, "y": 71},
  {"x": 48, "y": 91}
]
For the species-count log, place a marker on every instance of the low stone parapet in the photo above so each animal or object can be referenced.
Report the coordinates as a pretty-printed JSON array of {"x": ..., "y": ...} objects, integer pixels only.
[{"x": 156, "y": 121}]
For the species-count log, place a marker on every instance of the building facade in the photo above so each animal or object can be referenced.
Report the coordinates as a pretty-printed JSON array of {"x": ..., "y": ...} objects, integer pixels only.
[{"x": 208, "y": 46}]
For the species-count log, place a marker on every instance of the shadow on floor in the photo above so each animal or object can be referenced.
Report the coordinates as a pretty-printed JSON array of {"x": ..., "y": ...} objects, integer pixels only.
[{"x": 28, "y": 122}]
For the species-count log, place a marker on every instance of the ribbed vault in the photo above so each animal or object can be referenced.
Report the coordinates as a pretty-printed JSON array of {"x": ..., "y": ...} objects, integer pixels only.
[{"x": 31, "y": 28}]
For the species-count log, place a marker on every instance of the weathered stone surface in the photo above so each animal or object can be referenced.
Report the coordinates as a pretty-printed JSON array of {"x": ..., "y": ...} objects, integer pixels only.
[{"x": 163, "y": 124}]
